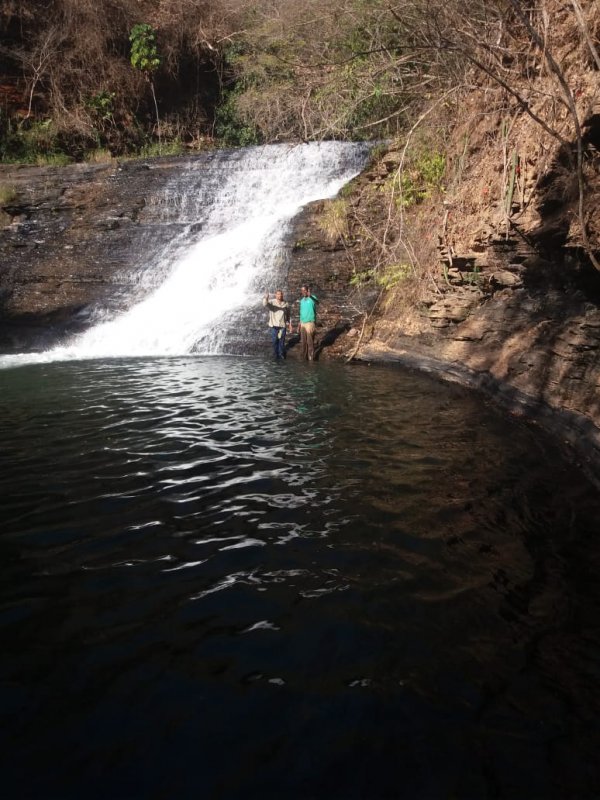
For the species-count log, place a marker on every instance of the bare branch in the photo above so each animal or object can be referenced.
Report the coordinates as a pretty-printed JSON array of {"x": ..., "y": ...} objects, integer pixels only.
[{"x": 586, "y": 31}]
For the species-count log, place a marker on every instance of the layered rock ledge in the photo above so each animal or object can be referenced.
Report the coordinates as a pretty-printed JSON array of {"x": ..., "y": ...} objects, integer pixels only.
[{"x": 526, "y": 332}]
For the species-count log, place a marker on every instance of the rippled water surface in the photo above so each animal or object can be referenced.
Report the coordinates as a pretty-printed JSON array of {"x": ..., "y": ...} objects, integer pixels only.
[{"x": 224, "y": 578}]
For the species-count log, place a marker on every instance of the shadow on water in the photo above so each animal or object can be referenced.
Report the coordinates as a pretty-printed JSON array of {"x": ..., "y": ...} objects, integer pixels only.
[{"x": 235, "y": 579}]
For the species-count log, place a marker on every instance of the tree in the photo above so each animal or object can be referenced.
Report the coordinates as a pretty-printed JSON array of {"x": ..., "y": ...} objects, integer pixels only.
[{"x": 144, "y": 56}]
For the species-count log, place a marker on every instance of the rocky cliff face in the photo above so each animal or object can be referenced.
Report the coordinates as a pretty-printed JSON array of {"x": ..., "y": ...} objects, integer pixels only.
[
  {"x": 72, "y": 242},
  {"x": 535, "y": 352},
  {"x": 513, "y": 304}
]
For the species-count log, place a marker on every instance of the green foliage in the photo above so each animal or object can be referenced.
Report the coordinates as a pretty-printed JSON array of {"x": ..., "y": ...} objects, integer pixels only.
[
  {"x": 432, "y": 167},
  {"x": 387, "y": 277},
  {"x": 359, "y": 279},
  {"x": 230, "y": 126},
  {"x": 393, "y": 274},
  {"x": 32, "y": 143},
  {"x": 102, "y": 105},
  {"x": 366, "y": 81},
  {"x": 274, "y": 70},
  {"x": 421, "y": 178},
  {"x": 170, "y": 148},
  {"x": 40, "y": 136},
  {"x": 144, "y": 52},
  {"x": 246, "y": 71},
  {"x": 144, "y": 56},
  {"x": 473, "y": 278},
  {"x": 347, "y": 190}
]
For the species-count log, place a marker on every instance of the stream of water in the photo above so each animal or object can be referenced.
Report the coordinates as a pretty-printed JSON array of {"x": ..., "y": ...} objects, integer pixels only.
[{"x": 231, "y": 578}]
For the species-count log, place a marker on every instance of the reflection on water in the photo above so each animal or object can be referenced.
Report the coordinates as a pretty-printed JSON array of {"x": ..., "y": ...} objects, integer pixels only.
[{"x": 228, "y": 578}]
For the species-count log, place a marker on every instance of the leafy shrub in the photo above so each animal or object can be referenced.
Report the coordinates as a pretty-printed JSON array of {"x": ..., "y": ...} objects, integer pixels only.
[
  {"x": 144, "y": 52},
  {"x": 421, "y": 178},
  {"x": 34, "y": 142},
  {"x": 359, "y": 279},
  {"x": 230, "y": 127},
  {"x": 102, "y": 105},
  {"x": 393, "y": 274}
]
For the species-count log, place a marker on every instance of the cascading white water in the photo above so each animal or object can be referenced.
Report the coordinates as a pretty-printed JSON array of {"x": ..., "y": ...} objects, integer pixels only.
[{"x": 229, "y": 235}]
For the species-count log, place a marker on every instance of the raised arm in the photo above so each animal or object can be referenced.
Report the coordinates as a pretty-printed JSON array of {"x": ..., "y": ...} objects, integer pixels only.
[{"x": 268, "y": 304}]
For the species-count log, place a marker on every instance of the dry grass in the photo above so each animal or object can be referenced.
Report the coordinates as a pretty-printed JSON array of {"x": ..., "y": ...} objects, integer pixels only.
[
  {"x": 99, "y": 156},
  {"x": 8, "y": 194},
  {"x": 333, "y": 220}
]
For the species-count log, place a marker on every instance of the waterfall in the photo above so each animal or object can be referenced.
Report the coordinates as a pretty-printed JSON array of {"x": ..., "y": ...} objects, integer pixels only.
[{"x": 231, "y": 222}]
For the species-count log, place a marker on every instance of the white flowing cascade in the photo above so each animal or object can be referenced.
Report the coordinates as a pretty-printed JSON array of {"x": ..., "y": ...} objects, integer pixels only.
[{"x": 209, "y": 272}]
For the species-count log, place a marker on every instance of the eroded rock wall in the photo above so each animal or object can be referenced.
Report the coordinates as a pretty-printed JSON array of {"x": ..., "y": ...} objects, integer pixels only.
[
  {"x": 513, "y": 307},
  {"x": 72, "y": 242}
]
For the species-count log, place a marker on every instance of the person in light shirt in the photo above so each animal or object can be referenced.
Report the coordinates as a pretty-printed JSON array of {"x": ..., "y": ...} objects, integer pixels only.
[{"x": 279, "y": 322}]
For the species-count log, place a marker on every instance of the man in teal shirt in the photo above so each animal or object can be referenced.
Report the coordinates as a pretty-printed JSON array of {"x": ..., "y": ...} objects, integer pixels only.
[{"x": 307, "y": 325}]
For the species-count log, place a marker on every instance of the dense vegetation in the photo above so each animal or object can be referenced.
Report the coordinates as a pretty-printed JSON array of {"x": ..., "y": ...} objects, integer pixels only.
[
  {"x": 243, "y": 71},
  {"x": 240, "y": 71}
]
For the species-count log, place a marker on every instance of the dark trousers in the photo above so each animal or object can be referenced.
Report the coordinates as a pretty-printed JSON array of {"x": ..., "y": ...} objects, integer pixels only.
[{"x": 278, "y": 339}]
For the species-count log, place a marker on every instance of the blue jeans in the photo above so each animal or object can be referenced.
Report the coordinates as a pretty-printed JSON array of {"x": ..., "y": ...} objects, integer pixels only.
[{"x": 278, "y": 339}]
